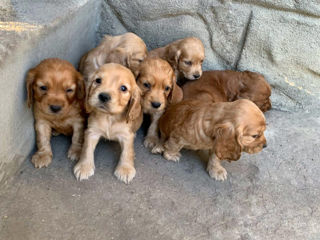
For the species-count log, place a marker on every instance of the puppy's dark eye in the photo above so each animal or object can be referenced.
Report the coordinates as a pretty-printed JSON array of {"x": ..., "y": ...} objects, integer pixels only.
[
  {"x": 255, "y": 136},
  {"x": 140, "y": 60},
  {"x": 167, "y": 88},
  {"x": 98, "y": 80},
  {"x": 123, "y": 88},
  {"x": 147, "y": 85},
  {"x": 188, "y": 62},
  {"x": 69, "y": 90},
  {"x": 44, "y": 88}
]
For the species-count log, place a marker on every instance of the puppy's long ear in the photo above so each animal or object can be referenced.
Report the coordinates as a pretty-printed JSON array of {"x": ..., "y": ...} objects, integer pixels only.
[
  {"x": 173, "y": 55},
  {"x": 119, "y": 55},
  {"x": 134, "y": 108},
  {"x": 176, "y": 94},
  {"x": 87, "y": 107},
  {"x": 31, "y": 75},
  {"x": 80, "y": 86},
  {"x": 226, "y": 142}
]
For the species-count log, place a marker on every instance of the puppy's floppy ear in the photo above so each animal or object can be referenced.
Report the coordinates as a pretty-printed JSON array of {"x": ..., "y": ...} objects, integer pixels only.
[
  {"x": 134, "y": 107},
  {"x": 119, "y": 55},
  {"x": 176, "y": 94},
  {"x": 226, "y": 142},
  {"x": 31, "y": 76},
  {"x": 87, "y": 107},
  {"x": 173, "y": 55},
  {"x": 80, "y": 86}
]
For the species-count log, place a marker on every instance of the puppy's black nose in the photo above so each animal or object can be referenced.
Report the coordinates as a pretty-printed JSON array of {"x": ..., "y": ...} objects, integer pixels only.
[
  {"x": 264, "y": 145},
  {"x": 155, "y": 104},
  {"x": 196, "y": 76},
  {"x": 104, "y": 97},
  {"x": 55, "y": 108}
]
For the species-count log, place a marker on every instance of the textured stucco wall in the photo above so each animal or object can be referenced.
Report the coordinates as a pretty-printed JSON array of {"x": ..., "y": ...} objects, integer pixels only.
[
  {"x": 277, "y": 38},
  {"x": 29, "y": 34}
]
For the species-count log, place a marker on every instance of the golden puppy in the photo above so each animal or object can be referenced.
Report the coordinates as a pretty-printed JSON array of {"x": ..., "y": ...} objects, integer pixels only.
[
  {"x": 56, "y": 91},
  {"x": 185, "y": 56},
  {"x": 113, "y": 101},
  {"x": 227, "y": 86},
  {"x": 157, "y": 82},
  {"x": 225, "y": 129},
  {"x": 127, "y": 49}
]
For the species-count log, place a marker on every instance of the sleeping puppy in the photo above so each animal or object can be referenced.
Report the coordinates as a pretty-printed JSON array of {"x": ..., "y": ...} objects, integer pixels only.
[
  {"x": 185, "y": 56},
  {"x": 113, "y": 101},
  {"x": 157, "y": 82},
  {"x": 225, "y": 129},
  {"x": 56, "y": 91},
  {"x": 227, "y": 86},
  {"x": 127, "y": 49}
]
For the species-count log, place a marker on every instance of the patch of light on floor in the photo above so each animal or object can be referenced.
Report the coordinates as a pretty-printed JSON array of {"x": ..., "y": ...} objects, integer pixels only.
[{"x": 17, "y": 26}]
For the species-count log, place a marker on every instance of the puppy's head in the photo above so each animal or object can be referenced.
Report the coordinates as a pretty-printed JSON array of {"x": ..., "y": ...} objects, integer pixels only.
[
  {"x": 256, "y": 88},
  {"x": 54, "y": 85},
  {"x": 187, "y": 56},
  {"x": 242, "y": 129},
  {"x": 113, "y": 90},
  {"x": 157, "y": 81}
]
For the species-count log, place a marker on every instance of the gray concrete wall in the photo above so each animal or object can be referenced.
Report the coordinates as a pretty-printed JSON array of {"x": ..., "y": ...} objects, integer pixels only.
[
  {"x": 29, "y": 34},
  {"x": 277, "y": 38}
]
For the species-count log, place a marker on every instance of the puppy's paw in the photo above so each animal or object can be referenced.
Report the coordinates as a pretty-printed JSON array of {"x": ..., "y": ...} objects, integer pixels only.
[
  {"x": 158, "y": 149},
  {"x": 150, "y": 141},
  {"x": 218, "y": 173},
  {"x": 40, "y": 160},
  {"x": 74, "y": 152},
  {"x": 172, "y": 156},
  {"x": 125, "y": 173},
  {"x": 83, "y": 170}
]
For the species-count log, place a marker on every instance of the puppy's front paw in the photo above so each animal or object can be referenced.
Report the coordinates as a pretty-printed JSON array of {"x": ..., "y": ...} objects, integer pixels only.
[
  {"x": 74, "y": 152},
  {"x": 40, "y": 160},
  {"x": 218, "y": 173},
  {"x": 125, "y": 173},
  {"x": 83, "y": 170},
  {"x": 172, "y": 156},
  {"x": 150, "y": 141},
  {"x": 158, "y": 149}
]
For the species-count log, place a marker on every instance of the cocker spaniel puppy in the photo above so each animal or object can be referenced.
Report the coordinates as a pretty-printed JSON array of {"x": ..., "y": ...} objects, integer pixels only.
[
  {"x": 56, "y": 91},
  {"x": 113, "y": 101},
  {"x": 127, "y": 49},
  {"x": 184, "y": 55},
  {"x": 157, "y": 82},
  {"x": 225, "y": 129},
  {"x": 228, "y": 86}
]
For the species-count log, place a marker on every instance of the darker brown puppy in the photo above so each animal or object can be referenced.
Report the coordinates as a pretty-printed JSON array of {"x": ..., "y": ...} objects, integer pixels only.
[
  {"x": 225, "y": 129},
  {"x": 56, "y": 91},
  {"x": 227, "y": 86}
]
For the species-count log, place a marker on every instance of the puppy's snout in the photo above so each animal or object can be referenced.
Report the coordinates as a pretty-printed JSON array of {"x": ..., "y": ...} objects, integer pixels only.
[
  {"x": 155, "y": 104},
  {"x": 104, "y": 97},
  {"x": 55, "y": 108},
  {"x": 196, "y": 76},
  {"x": 265, "y": 145}
]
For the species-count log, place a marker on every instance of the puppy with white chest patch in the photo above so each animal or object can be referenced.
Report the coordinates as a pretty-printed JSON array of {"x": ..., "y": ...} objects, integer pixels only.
[
  {"x": 113, "y": 101},
  {"x": 56, "y": 91},
  {"x": 157, "y": 82},
  {"x": 185, "y": 56}
]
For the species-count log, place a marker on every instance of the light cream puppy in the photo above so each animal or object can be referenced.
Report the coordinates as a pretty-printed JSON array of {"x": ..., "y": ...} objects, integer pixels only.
[{"x": 113, "y": 101}]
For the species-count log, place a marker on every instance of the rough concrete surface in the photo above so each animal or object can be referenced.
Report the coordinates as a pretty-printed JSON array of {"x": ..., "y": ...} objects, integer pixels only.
[
  {"x": 279, "y": 39},
  {"x": 271, "y": 195}
]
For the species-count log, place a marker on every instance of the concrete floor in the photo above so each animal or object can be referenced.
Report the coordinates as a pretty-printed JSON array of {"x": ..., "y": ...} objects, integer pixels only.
[{"x": 271, "y": 195}]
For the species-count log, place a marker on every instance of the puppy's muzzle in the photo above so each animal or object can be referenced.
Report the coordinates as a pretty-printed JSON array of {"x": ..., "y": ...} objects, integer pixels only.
[
  {"x": 196, "y": 76},
  {"x": 155, "y": 104},
  {"x": 55, "y": 108},
  {"x": 104, "y": 97}
]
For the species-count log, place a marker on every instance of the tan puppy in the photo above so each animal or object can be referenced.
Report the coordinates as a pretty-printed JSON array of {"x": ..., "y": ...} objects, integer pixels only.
[
  {"x": 185, "y": 56},
  {"x": 228, "y": 85},
  {"x": 56, "y": 91},
  {"x": 225, "y": 129},
  {"x": 113, "y": 101},
  {"x": 157, "y": 81},
  {"x": 127, "y": 49}
]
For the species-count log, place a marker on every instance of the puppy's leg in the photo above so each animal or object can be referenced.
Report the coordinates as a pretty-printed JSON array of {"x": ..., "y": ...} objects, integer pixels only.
[
  {"x": 152, "y": 138},
  {"x": 159, "y": 148},
  {"x": 43, "y": 157},
  {"x": 77, "y": 140},
  {"x": 172, "y": 149},
  {"x": 215, "y": 169},
  {"x": 85, "y": 167},
  {"x": 125, "y": 170}
]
